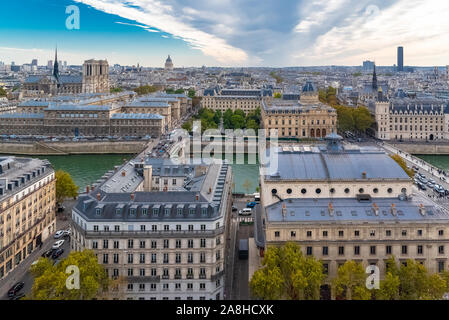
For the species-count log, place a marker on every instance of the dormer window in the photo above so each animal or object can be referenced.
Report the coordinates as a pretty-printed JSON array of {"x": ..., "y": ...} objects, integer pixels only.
[
  {"x": 155, "y": 211},
  {"x": 132, "y": 212},
  {"x": 97, "y": 211},
  {"x": 144, "y": 211},
  {"x": 118, "y": 211}
]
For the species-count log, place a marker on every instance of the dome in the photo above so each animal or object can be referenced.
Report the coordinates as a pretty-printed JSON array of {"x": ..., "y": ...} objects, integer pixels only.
[{"x": 168, "y": 59}]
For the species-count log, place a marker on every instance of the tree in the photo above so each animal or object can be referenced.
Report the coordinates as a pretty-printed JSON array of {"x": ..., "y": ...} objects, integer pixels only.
[
  {"x": 287, "y": 274},
  {"x": 115, "y": 90},
  {"x": 65, "y": 187},
  {"x": 237, "y": 121},
  {"x": 188, "y": 126},
  {"x": 350, "y": 282},
  {"x": 179, "y": 91},
  {"x": 362, "y": 119},
  {"x": 240, "y": 112},
  {"x": 345, "y": 119},
  {"x": 227, "y": 115},
  {"x": 401, "y": 162},
  {"x": 191, "y": 93},
  {"x": 277, "y": 95},
  {"x": 252, "y": 124},
  {"x": 146, "y": 89},
  {"x": 50, "y": 280},
  {"x": 2, "y": 92},
  {"x": 389, "y": 288}
]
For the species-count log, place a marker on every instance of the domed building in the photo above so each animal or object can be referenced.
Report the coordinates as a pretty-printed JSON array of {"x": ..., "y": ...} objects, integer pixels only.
[{"x": 168, "y": 64}]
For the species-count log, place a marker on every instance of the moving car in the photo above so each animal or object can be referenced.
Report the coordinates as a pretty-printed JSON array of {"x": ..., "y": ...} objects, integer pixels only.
[
  {"x": 15, "y": 289},
  {"x": 58, "y": 244},
  {"x": 251, "y": 204},
  {"x": 245, "y": 212},
  {"x": 47, "y": 253}
]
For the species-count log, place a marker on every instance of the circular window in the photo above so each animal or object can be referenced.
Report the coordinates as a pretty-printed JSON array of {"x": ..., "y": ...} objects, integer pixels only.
[
  {"x": 404, "y": 190},
  {"x": 390, "y": 190},
  {"x": 332, "y": 190},
  {"x": 289, "y": 191},
  {"x": 361, "y": 190},
  {"x": 274, "y": 191},
  {"x": 347, "y": 190},
  {"x": 375, "y": 190},
  {"x": 303, "y": 191},
  {"x": 318, "y": 190}
]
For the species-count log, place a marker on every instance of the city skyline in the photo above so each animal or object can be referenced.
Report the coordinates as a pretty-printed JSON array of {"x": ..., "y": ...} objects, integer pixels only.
[{"x": 340, "y": 32}]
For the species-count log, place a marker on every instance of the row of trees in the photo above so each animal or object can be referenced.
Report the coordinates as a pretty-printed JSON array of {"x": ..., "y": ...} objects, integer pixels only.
[
  {"x": 231, "y": 119},
  {"x": 349, "y": 119},
  {"x": 289, "y": 275}
]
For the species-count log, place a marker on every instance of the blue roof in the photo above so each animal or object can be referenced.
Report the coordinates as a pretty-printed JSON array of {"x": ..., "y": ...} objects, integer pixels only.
[
  {"x": 318, "y": 164},
  {"x": 136, "y": 116},
  {"x": 150, "y": 104},
  {"x": 350, "y": 210},
  {"x": 77, "y": 107},
  {"x": 34, "y": 103},
  {"x": 308, "y": 87}
]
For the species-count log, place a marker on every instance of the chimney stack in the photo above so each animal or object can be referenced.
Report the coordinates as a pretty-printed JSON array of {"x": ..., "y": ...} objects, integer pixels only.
[
  {"x": 364, "y": 174},
  {"x": 123, "y": 173},
  {"x": 284, "y": 210},
  {"x": 393, "y": 209},
  {"x": 87, "y": 189},
  {"x": 375, "y": 209},
  {"x": 132, "y": 196},
  {"x": 98, "y": 196},
  {"x": 197, "y": 197},
  {"x": 331, "y": 209},
  {"x": 422, "y": 210}
]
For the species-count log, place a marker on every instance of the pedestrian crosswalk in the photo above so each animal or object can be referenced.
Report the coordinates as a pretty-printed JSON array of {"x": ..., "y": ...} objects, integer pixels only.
[{"x": 245, "y": 219}]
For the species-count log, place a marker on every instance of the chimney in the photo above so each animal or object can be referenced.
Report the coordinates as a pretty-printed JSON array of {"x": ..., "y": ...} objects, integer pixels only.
[
  {"x": 375, "y": 209},
  {"x": 393, "y": 209},
  {"x": 132, "y": 196},
  {"x": 87, "y": 189},
  {"x": 197, "y": 197},
  {"x": 331, "y": 209},
  {"x": 210, "y": 190},
  {"x": 364, "y": 175},
  {"x": 123, "y": 173},
  {"x": 422, "y": 210},
  {"x": 284, "y": 210},
  {"x": 98, "y": 196}
]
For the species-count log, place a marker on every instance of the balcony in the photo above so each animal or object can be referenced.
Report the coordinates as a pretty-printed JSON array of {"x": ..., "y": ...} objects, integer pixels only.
[
  {"x": 140, "y": 279},
  {"x": 165, "y": 277},
  {"x": 202, "y": 276},
  {"x": 189, "y": 276},
  {"x": 178, "y": 276}
]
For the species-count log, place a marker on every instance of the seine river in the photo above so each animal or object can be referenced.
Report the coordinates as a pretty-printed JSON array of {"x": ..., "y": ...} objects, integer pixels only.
[{"x": 86, "y": 169}]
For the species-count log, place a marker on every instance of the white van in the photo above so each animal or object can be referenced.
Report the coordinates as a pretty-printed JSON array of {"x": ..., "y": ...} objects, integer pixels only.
[
  {"x": 245, "y": 212},
  {"x": 257, "y": 197}
]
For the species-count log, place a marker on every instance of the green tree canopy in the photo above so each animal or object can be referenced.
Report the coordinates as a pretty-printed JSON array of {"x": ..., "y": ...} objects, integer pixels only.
[
  {"x": 350, "y": 282},
  {"x": 237, "y": 121},
  {"x": 115, "y": 90},
  {"x": 50, "y": 280},
  {"x": 287, "y": 274},
  {"x": 191, "y": 93},
  {"x": 146, "y": 89},
  {"x": 2, "y": 92},
  {"x": 362, "y": 119},
  {"x": 65, "y": 187},
  {"x": 401, "y": 162}
]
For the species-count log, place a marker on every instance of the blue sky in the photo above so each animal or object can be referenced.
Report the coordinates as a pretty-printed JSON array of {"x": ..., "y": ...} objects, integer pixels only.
[{"x": 228, "y": 32}]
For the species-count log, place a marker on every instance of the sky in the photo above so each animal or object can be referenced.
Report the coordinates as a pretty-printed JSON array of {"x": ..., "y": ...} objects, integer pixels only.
[{"x": 230, "y": 33}]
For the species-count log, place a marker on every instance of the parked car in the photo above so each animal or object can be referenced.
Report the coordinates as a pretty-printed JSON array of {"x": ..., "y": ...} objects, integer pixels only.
[
  {"x": 18, "y": 296},
  {"x": 15, "y": 289},
  {"x": 234, "y": 208},
  {"x": 57, "y": 253},
  {"x": 68, "y": 232},
  {"x": 61, "y": 208},
  {"x": 47, "y": 253},
  {"x": 251, "y": 204},
  {"x": 59, "y": 234},
  {"x": 58, "y": 244}
]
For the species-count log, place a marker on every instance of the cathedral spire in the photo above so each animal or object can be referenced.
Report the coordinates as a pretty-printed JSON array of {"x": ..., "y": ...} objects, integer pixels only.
[
  {"x": 56, "y": 65},
  {"x": 375, "y": 78}
]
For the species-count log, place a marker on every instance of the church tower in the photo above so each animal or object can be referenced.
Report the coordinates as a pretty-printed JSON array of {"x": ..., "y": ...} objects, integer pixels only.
[
  {"x": 375, "y": 86},
  {"x": 56, "y": 65}
]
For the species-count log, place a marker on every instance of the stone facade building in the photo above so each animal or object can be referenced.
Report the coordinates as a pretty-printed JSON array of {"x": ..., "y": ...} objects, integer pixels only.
[
  {"x": 27, "y": 208},
  {"x": 343, "y": 203},
  {"x": 306, "y": 118},
  {"x": 95, "y": 76},
  {"x": 163, "y": 245}
]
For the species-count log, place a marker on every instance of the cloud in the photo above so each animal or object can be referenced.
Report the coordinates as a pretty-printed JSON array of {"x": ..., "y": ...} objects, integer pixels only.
[
  {"x": 162, "y": 17},
  {"x": 147, "y": 28}
]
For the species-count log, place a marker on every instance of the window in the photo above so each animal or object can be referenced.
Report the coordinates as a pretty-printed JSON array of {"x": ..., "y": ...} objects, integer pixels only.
[
  {"x": 419, "y": 232},
  {"x": 325, "y": 268},
  {"x": 388, "y": 233},
  {"x": 274, "y": 191},
  {"x": 440, "y": 232},
  {"x": 130, "y": 243},
  {"x": 372, "y": 233},
  {"x": 142, "y": 244},
  {"x": 372, "y": 249},
  {"x": 356, "y": 233},
  {"x": 341, "y": 250},
  {"x": 375, "y": 190},
  {"x": 289, "y": 191},
  {"x": 419, "y": 249},
  {"x": 361, "y": 190},
  {"x": 356, "y": 250},
  {"x": 130, "y": 258},
  {"x": 293, "y": 234},
  {"x": 309, "y": 234},
  {"x": 153, "y": 244},
  {"x": 441, "y": 249},
  {"x": 404, "y": 250},
  {"x": 203, "y": 243},
  {"x": 390, "y": 190},
  {"x": 325, "y": 251},
  {"x": 324, "y": 234},
  {"x": 440, "y": 266},
  {"x": 404, "y": 233},
  {"x": 341, "y": 233},
  {"x": 303, "y": 191},
  {"x": 347, "y": 190},
  {"x": 309, "y": 251},
  {"x": 277, "y": 234},
  {"x": 318, "y": 190},
  {"x": 332, "y": 190}
]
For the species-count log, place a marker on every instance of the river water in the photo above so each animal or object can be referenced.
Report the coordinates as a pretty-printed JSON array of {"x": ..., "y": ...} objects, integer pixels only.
[{"x": 86, "y": 169}]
